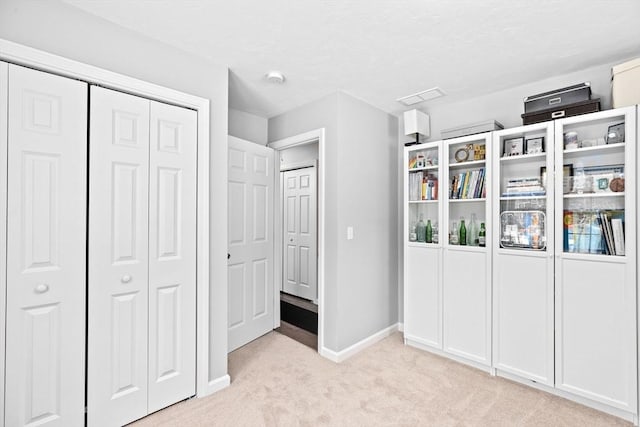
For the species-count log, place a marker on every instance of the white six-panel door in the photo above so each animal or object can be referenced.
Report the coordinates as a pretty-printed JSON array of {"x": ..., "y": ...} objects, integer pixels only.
[
  {"x": 46, "y": 223},
  {"x": 250, "y": 266},
  {"x": 172, "y": 255},
  {"x": 142, "y": 257},
  {"x": 118, "y": 258},
  {"x": 299, "y": 272}
]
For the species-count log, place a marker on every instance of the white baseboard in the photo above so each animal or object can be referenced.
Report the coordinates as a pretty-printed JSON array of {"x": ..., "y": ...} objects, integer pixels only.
[
  {"x": 401, "y": 326},
  {"x": 216, "y": 385},
  {"x": 341, "y": 356},
  {"x": 616, "y": 412}
]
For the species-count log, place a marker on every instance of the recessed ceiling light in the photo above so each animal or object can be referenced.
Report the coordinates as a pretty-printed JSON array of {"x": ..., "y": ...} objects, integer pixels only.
[
  {"x": 274, "y": 77},
  {"x": 425, "y": 95}
]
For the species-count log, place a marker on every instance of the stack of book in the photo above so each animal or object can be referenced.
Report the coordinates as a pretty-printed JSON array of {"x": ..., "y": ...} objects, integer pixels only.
[
  {"x": 519, "y": 187},
  {"x": 468, "y": 185},
  {"x": 423, "y": 186},
  {"x": 415, "y": 186},
  {"x": 595, "y": 232}
]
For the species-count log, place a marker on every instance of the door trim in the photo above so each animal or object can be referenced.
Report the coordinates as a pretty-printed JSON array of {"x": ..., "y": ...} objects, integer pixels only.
[
  {"x": 34, "y": 58},
  {"x": 316, "y": 135},
  {"x": 4, "y": 101}
]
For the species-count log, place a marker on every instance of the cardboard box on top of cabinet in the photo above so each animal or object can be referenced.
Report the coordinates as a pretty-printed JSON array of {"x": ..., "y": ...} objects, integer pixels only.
[{"x": 625, "y": 83}]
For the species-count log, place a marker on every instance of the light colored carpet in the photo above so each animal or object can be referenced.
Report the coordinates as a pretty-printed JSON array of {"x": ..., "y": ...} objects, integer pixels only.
[{"x": 279, "y": 382}]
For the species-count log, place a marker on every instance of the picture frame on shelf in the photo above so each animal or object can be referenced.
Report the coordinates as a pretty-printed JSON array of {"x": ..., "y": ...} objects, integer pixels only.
[
  {"x": 567, "y": 173},
  {"x": 462, "y": 154},
  {"x": 513, "y": 147},
  {"x": 615, "y": 133},
  {"x": 534, "y": 145}
]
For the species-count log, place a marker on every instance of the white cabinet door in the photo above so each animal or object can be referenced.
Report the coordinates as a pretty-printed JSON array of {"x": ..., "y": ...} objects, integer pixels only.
[
  {"x": 47, "y": 241},
  {"x": 595, "y": 336},
  {"x": 299, "y": 276},
  {"x": 118, "y": 258},
  {"x": 467, "y": 305},
  {"x": 423, "y": 304},
  {"x": 250, "y": 266},
  {"x": 523, "y": 315},
  {"x": 4, "y": 100},
  {"x": 172, "y": 255}
]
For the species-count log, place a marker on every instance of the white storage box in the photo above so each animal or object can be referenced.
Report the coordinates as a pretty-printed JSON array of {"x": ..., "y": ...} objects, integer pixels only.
[
  {"x": 471, "y": 129},
  {"x": 625, "y": 83}
]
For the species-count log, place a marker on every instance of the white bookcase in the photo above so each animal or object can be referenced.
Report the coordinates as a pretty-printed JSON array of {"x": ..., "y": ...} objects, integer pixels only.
[
  {"x": 523, "y": 249},
  {"x": 595, "y": 306},
  {"x": 466, "y": 273},
  {"x": 552, "y": 299},
  {"x": 423, "y": 261},
  {"x": 447, "y": 286}
]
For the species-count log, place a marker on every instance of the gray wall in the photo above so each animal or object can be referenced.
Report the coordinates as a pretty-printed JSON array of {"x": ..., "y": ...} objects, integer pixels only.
[
  {"x": 248, "y": 126},
  {"x": 57, "y": 28},
  {"x": 320, "y": 114},
  {"x": 505, "y": 107},
  {"x": 292, "y": 157},
  {"x": 360, "y": 191}
]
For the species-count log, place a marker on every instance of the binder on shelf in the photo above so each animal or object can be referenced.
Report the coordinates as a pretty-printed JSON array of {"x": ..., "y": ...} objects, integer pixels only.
[{"x": 594, "y": 232}]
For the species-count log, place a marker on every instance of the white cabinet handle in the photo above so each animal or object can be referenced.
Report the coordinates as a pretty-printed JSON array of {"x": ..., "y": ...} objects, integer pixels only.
[
  {"x": 126, "y": 278},
  {"x": 42, "y": 288}
]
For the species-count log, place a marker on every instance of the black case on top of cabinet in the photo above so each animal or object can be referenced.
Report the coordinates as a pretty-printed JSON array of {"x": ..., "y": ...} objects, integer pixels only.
[{"x": 576, "y": 109}]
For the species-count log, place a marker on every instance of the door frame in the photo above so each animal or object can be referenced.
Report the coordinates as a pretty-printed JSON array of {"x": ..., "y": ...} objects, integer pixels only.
[
  {"x": 26, "y": 56},
  {"x": 4, "y": 101},
  {"x": 316, "y": 135}
]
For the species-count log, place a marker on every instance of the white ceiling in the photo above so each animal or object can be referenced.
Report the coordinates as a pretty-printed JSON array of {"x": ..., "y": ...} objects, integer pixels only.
[{"x": 380, "y": 50}]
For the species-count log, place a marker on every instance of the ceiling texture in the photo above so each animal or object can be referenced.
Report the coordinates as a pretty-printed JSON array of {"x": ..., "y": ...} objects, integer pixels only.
[{"x": 381, "y": 50}]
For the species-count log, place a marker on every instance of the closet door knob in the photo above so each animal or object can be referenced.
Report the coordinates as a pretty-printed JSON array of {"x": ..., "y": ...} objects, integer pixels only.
[
  {"x": 126, "y": 278},
  {"x": 42, "y": 288}
]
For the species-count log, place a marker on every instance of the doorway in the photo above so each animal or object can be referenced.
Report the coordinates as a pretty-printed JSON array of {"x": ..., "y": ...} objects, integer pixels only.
[
  {"x": 242, "y": 295},
  {"x": 298, "y": 217}
]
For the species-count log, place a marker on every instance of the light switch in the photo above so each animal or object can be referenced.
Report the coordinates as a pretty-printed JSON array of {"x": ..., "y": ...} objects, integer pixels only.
[{"x": 349, "y": 233}]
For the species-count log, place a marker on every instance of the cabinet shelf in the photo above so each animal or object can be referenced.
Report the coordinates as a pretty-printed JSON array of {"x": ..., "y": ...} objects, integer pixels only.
[
  {"x": 467, "y": 200},
  {"x": 423, "y": 201},
  {"x": 424, "y": 245},
  {"x": 467, "y": 248},
  {"x": 469, "y": 164},
  {"x": 593, "y": 195},
  {"x": 523, "y": 252},
  {"x": 618, "y": 259},
  {"x": 598, "y": 148},
  {"x": 426, "y": 168},
  {"x": 523, "y": 158},
  {"x": 524, "y": 198}
]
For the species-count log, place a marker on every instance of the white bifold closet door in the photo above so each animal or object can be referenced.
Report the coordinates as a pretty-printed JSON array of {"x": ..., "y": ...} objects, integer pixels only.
[
  {"x": 46, "y": 241},
  {"x": 142, "y": 243}
]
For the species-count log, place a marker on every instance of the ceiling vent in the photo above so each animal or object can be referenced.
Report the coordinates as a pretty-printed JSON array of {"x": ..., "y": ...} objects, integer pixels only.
[{"x": 425, "y": 95}]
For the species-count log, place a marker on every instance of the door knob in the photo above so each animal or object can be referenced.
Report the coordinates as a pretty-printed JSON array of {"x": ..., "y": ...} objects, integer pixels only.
[
  {"x": 42, "y": 288},
  {"x": 291, "y": 240},
  {"x": 125, "y": 279}
]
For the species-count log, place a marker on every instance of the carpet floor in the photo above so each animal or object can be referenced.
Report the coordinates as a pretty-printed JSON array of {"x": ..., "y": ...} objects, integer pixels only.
[{"x": 279, "y": 382}]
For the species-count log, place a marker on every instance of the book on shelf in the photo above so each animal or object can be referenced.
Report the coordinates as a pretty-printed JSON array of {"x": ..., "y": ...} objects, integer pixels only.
[
  {"x": 423, "y": 186},
  {"x": 524, "y": 187},
  {"x": 594, "y": 232},
  {"x": 468, "y": 185}
]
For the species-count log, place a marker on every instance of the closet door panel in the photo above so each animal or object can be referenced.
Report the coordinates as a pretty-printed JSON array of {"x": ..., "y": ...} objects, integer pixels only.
[
  {"x": 46, "y": 225},
  {"x": 172, "y": 255},
  {"x": 118, "y": 260},
  {"x": 4, "y": 99}
]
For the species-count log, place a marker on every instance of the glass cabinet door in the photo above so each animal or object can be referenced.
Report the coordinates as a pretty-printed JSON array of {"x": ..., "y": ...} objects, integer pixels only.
[
  {"x": 593, "y": 154},
  {"x": 525, "y": 187},
  {"x": 423, "y": 193}
]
